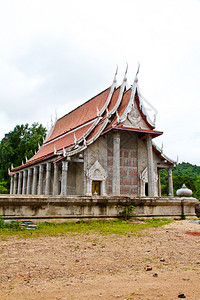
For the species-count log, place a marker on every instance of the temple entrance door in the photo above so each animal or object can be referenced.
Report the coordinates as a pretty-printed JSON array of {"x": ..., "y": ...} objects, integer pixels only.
[
  {"x": 146, "y": 189},
  {"x": 96, "y": 187}
]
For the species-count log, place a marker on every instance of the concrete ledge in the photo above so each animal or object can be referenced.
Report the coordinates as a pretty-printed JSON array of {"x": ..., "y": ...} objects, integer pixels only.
[{"x": 62, "y": 208}]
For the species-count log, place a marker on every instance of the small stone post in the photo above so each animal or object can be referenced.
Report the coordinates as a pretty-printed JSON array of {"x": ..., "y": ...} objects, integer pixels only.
[
  {"x": 55, "y": 180},
  {"x": 35, "y": 177},
  {"x": 11, "y": 184},
  {"x": 19, "y": 189},
  {"x": 15, "y": 183},
  {"x": 40, "y": 181},
  {"x": 24, "y": 187},
  {"x": 29, "y": 181},
  {"x": 170, "y": 180},
  {"x": 64, "y": 178},
  {"x": 48, "y": 179}
]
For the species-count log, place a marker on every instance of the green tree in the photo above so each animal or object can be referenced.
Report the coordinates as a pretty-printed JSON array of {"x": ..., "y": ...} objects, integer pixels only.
[
  {"x": 182, "y": 173},
  {"x": 197, "y": 185},
  {"x": 20, "y": 143}
]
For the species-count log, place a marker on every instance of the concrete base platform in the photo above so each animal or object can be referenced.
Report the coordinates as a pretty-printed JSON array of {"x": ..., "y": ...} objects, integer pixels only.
[{"x": 62, "y": 208}]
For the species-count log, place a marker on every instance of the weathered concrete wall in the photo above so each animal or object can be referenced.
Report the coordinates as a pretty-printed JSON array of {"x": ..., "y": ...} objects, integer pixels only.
[
  {"x": 95, "y": 152},
  {"x": 41, "y": 208},
  {"x": 128, "y": 164}
]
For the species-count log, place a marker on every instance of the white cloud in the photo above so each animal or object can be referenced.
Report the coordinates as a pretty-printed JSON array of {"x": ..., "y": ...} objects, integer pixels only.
[{"x": 61, "y": 53}]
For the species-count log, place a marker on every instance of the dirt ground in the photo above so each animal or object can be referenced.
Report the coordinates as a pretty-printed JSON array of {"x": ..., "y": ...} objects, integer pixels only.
[{"x": 104, "y": 267}]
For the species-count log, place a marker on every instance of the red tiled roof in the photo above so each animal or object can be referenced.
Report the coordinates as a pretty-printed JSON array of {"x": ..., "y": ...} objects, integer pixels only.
[
  {"x": 81, "y": 115},
  {"x": 114, "y": 99},
  {"x": 124, "y": 102},
  {"x": 83, "y": 121},
  {"x": 65, "y": 141}
]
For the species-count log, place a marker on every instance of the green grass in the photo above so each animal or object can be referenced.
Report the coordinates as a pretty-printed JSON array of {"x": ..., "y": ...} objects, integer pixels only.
[{"x": 100, "y": 227}]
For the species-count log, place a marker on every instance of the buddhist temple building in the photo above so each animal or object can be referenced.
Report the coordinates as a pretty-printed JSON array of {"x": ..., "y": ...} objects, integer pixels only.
[{"x": 103, "y": 147}]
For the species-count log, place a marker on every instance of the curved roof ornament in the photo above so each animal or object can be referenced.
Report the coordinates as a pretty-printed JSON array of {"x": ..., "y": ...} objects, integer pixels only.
[
  {"x": 136, "y": 75},
  {"x": 115, "y": 77},
  {"x": 107, "y": 113},
  {"x": 64, "y": 152},
  {"x": 84, "y": 142},
  {"x": 75, "y": 139},
  {"x": 125, "y": 72},
  {"x": 118, "y": 119}
]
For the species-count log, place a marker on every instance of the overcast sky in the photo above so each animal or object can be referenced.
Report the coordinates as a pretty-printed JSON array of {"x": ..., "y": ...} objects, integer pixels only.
[{"x": 55, "y": 55}]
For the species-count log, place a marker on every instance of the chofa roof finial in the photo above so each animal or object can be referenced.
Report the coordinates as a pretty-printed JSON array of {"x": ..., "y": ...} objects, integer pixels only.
[
  {"x": 115, "y": 77},
  {"x": 126, "y": 72},
  {"x": 138, "y": 69}
]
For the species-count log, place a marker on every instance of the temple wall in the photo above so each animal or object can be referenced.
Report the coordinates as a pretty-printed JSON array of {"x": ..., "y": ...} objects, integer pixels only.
[
  {"x": 128, "y": 164},
  {"x": 63, "y": 208},
  {"x": 142, "y": 156},
  {"x": 97, "y": 151}
]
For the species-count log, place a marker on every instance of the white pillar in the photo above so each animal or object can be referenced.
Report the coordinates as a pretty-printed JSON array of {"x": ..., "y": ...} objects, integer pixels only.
[
  {"x": 40, "y": 181},
  {"x": 15, "y": 183},
  {"x": 170, "y": 180},
  {"x": 11, "y": 184},
  {"x": 159, "y": 184},
  {"x": 24, "y": 187},
  {"x": 19, "y": 188},
  {"x": 64, "y": 178},
  {"x": 35, "y": 177},
  {"x": 29, "y": 181},
  {"x": 48, "y": 179},
  {"x": 116, "y": 164},
  {"x": 55, "y": 180},
  {"x": 150, "y": 166}
]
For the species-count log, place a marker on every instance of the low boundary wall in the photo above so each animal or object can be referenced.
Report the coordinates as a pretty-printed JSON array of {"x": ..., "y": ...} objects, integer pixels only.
[{"x": 62, "y": 208}]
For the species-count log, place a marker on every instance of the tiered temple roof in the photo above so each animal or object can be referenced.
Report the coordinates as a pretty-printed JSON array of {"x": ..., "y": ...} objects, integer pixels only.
[{"x": 107, "y": 111}]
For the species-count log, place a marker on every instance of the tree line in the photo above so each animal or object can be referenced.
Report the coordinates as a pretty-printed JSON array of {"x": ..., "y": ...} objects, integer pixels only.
[
  {"x": 17, "y": 146},
  {"x": 182, "y": 173}
]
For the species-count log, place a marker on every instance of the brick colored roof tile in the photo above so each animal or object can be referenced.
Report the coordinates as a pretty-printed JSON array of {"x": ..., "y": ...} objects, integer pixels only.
[{"x": 81, "y": 115}]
